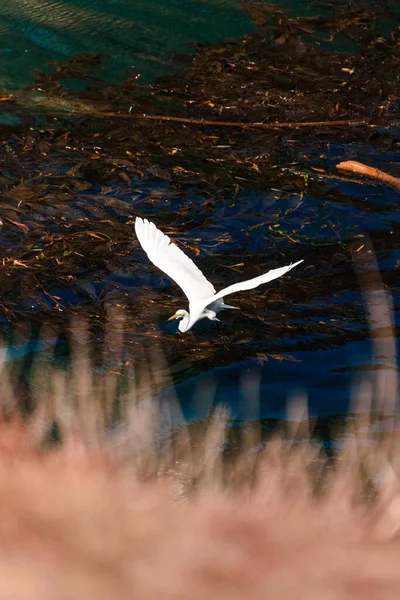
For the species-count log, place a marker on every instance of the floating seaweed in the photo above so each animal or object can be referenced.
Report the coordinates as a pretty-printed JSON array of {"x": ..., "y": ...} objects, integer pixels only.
[{"x": 240, "y": 144}]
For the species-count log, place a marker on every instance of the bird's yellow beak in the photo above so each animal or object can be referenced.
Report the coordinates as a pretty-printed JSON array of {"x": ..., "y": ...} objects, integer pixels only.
[{"x": 173, "y": 317}]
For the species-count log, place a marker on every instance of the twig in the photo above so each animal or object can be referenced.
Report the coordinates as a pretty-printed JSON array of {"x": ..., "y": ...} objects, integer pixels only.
[
  {"x": 58, "y": 305},
  {"x": 351, "y": 166},
  {"x": 368, "y": 122}
]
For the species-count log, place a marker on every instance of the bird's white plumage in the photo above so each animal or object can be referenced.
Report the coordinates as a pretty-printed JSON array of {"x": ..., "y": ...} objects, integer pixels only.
[
  {"x": 173, "y": 261},
  {"x": 203, "y": 301},
  {"x": 256, "y": 281}
]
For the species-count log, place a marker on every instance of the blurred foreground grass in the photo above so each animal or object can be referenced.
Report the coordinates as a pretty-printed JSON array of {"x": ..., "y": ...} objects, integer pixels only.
[{"x": 106, "y": 493}]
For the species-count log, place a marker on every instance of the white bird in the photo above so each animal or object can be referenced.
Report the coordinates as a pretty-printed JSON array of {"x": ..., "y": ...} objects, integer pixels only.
[{"x": 203, "y": 299}]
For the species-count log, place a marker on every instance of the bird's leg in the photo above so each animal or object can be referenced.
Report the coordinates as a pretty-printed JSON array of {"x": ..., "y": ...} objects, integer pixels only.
[
  {"x": 224, "y": 338},
  {"x": 217, "y": 322}
]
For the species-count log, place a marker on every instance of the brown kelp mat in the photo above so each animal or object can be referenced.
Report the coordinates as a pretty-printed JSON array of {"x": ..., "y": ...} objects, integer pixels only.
[{"x": 235, "y": 150}]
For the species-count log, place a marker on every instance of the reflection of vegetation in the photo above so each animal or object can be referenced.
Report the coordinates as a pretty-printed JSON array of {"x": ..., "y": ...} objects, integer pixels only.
[
  {"x": 96, "y": 383},
  {"x": 80, "y": 167}
]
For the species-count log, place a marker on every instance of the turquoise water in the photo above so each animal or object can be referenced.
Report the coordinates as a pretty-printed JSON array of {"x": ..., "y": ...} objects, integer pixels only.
[
  {"x": 132, "y": 33},
  {"x": 140, "y": 34}
]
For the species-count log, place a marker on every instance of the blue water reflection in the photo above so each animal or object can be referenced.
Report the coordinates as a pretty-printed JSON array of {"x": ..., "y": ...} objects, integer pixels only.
[{"x": 329, "y": 380}]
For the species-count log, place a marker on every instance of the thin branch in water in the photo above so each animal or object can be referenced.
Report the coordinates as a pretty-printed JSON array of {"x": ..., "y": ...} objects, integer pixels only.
[
  {"x": 352, "y": 166},
  {"x": 367, "y": 122}
]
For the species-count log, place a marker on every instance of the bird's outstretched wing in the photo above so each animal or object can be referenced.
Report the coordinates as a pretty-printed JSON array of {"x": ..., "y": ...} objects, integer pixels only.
[
  {"x": 255, "y": 282},
  {"x": 172, "y": 261}
]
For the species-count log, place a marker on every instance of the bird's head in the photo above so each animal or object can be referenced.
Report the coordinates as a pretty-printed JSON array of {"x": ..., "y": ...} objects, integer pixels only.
[{"x": 183, "y": 317}]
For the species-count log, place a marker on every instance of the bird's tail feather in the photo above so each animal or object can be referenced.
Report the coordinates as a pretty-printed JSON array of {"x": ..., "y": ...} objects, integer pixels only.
[{"x": 223, "y": 305}]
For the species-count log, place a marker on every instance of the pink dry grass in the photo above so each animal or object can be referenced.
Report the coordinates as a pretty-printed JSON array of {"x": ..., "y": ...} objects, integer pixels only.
[{"x": 80, "y": 523}]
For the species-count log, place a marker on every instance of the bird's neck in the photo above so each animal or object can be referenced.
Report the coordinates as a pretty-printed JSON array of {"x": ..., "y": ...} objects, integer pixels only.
[{"x": 184, "y": 323}]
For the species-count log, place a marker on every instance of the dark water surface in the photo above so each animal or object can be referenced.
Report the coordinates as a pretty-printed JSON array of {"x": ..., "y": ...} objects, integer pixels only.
[{"x": 331, "y": 348}]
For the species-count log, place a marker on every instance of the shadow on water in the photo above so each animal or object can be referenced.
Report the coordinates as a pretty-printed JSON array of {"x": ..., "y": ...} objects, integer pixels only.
[{"x": 240, "y": 200}]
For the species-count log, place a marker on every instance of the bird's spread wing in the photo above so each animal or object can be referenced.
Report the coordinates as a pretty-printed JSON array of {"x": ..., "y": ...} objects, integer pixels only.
[
  {"x": 253, "y": 283},
  {"x": 172, "y": 261}
]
